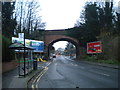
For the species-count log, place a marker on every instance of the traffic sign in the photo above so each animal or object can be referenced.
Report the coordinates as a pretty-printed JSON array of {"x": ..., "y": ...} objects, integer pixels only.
[{"x": 21, "y": 36}]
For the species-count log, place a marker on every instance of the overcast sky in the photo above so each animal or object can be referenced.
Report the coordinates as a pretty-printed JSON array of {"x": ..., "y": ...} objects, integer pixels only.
[{"x": 61, "y": 14}]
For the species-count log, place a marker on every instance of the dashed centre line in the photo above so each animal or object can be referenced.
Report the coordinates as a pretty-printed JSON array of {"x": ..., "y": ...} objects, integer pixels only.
[{"x": 100, "y": 73}]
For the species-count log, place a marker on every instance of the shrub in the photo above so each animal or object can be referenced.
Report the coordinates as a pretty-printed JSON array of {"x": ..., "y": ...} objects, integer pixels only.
[
  {"x": 90, "y": 58},
  {"x": 100, "y": 60}
]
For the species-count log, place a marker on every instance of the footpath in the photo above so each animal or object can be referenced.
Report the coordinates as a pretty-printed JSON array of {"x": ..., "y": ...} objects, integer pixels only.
[
  {"x": 11, "y": 79},
  {"x": 7, "y": 66}
]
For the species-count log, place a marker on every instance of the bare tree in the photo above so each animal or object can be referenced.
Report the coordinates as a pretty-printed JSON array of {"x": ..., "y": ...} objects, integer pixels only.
[{"x": 28, "y": 17}]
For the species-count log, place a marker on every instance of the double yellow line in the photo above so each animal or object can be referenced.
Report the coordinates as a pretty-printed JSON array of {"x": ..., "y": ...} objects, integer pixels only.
[{"x": 37, "y": 79}]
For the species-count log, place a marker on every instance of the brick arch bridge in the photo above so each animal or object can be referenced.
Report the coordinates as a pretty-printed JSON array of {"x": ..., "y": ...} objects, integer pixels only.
[{"x": 53, "y": 36}]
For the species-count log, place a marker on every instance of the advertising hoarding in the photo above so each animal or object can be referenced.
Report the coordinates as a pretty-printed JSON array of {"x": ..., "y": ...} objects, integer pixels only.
[
  {"x": 94, "y": 47},
  {"x": 38, "y": 46}
]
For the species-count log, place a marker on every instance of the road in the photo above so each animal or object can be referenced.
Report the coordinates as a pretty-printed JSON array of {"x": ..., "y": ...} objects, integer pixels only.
[{"x": 65, "y": 73}]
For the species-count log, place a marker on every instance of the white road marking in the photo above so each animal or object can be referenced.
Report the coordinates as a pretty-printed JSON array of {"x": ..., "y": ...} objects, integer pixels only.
[
  {"x": 100, "y": 73},
  {"x": 72, "y": 64},
  {"x": 41, "y": 66},
  {"x": 55, "y": 63},
  {"x": 48, "y": 64},
  {"x": 16, "y": 76},
  {"x": 68, "y": 58},
  {"x": 34, "y": 80},
  {"x": 75, "y": 65},
  {"x": 81, "y": 67}
]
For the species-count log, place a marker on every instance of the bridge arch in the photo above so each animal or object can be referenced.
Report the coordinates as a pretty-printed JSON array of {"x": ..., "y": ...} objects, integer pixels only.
[
  {"x": 53, "y": 36},
  {"x": 65, "y": 39}
]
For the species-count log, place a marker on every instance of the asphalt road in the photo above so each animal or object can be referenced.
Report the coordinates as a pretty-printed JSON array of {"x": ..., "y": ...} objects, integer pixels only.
[{"x": 65, "y": 73}]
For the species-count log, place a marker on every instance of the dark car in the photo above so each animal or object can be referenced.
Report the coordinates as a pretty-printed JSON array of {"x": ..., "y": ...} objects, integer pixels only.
[{"x": 54, "y": 56}]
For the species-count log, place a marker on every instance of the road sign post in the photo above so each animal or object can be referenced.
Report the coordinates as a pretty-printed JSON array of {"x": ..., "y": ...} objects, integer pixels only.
[{"x": 22, "y": 38}]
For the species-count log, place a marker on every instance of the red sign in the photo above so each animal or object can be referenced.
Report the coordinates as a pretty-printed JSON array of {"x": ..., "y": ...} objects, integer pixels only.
[{"x": 94, "y": 47}]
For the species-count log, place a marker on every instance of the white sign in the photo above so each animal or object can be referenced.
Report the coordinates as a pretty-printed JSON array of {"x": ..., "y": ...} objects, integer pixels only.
[
  {"x": 21, "y": 36},
  {"x": 15, "y": 40},
  {"x": 38, "y": 46}
]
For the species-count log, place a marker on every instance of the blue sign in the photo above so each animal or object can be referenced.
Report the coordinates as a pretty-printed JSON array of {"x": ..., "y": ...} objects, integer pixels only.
[{"x": 38, "y": 46}]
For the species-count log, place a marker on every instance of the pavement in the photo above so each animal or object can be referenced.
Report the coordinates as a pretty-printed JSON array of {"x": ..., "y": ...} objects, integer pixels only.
[{"x": 11, "y": 78}]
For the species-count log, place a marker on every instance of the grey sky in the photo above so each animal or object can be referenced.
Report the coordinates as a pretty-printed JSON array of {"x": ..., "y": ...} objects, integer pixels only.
[{"x": 63, "y": 14}]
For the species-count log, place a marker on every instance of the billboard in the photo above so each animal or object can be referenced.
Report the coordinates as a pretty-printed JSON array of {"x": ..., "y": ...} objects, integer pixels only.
[
  {"x": 38, "y": 46},
  {"x": 94, "y": 47},
  {"x": 17, "y": 40}
]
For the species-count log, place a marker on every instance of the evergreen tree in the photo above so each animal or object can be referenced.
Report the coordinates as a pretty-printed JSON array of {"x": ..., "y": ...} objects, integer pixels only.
[
  {"x": 88, "y": 30},
  {"x": 8, "y": 22},
  {"x": 98, "y": 19},
  {"x": 117, "y": 23},
  {"x": 91, "y": 19},
  {"x": 106, "y": 18}
]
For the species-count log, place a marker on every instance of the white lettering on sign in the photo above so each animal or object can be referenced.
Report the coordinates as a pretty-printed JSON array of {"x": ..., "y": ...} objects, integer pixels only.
[
  {"x": 35, "y": 44},
  {"x": 96, "y": 45}
]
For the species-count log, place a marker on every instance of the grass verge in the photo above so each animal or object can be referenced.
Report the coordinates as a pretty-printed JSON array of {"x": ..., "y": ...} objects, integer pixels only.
[{"x": 95, "y": 59}]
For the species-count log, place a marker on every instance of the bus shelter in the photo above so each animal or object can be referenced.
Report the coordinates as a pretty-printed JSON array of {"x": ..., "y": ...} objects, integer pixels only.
[{"x": 24, "y": 56}]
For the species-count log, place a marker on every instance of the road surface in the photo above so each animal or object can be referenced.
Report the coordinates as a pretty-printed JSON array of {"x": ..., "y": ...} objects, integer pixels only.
[{"x": 65, "y": 73}]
